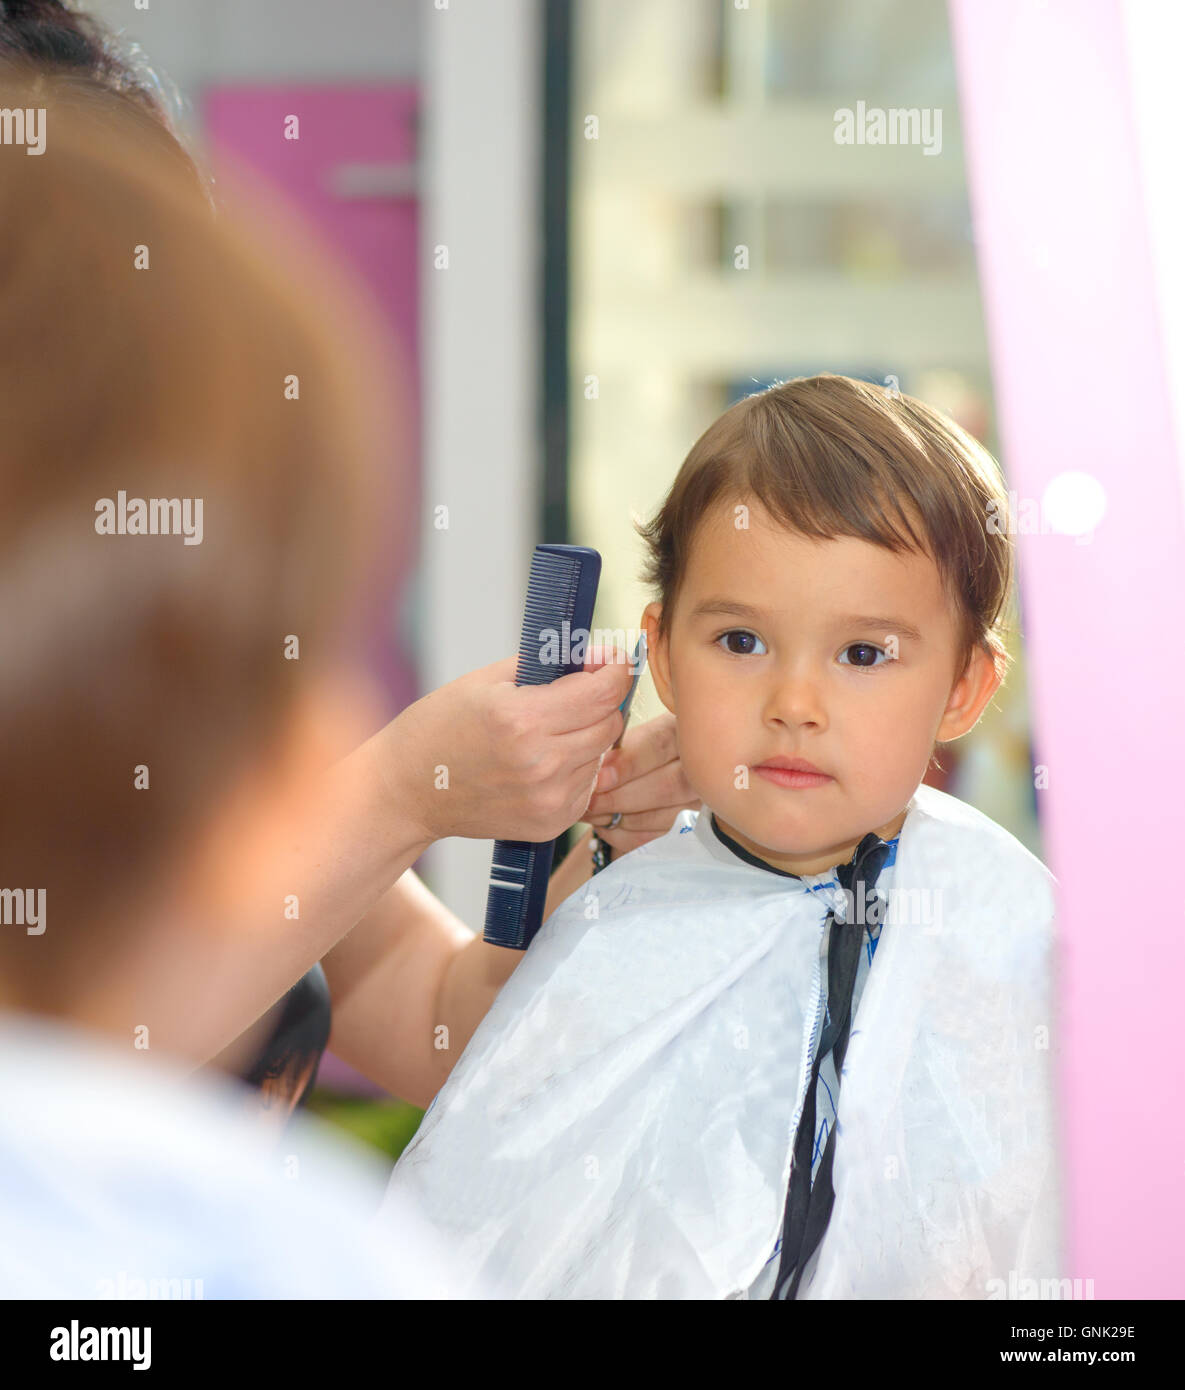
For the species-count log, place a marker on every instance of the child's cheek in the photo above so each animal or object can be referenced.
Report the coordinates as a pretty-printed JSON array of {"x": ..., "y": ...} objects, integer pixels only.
[
  {"x": 715, "y": 725},
  {"x": 702, "y": 749}
]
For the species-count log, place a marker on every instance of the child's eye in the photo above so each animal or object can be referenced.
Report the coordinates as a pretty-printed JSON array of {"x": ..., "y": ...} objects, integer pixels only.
[
  {"x": 745, "y": 638},
  {"x": 866, "y": 660}
]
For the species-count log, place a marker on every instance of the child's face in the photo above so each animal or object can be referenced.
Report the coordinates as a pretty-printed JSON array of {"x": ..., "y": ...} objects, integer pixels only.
[{"x": 791, "y": 661}]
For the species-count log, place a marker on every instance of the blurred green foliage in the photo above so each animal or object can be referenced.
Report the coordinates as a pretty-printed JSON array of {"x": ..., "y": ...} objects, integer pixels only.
[{"x": 387, "y": 1125}]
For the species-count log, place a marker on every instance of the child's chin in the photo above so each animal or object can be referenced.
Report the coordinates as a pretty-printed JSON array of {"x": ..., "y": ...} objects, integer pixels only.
[
  {"x": 772, "y": 845},
  {"x": 771, "y": 834}
]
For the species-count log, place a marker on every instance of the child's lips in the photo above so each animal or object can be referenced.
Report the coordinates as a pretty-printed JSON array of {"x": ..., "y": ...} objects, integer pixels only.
[
  {"x": 792, "y": 765},
  {"x": 793, "y": 772}
]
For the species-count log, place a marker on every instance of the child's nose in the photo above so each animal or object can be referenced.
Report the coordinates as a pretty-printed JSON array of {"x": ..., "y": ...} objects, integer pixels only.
[{"x": 796, "y": 698}]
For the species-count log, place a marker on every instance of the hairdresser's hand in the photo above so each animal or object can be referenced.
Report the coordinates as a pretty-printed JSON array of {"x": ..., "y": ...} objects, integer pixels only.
[
  {"x": 644, "y": 780},
  {"x": 486, "y": 759}
]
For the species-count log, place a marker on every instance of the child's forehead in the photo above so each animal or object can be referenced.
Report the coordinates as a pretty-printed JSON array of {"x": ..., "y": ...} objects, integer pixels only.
[
  {"x": 743, "y": 536},
  {"x": 740, "y": 551}
]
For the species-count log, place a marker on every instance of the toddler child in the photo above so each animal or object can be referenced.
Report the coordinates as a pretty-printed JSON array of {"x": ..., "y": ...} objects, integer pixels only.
[{"x": 799, "y": 1045}]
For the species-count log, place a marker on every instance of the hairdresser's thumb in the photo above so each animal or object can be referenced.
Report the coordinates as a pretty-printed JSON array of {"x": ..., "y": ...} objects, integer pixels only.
[{"x": 613, "y": 672}]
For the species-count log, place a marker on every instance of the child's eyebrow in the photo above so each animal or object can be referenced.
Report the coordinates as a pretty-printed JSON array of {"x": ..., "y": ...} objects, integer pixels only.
[
  {"x": 747, "y": 610},
  {"x": 728, "y": 605},
  {"x": 896, "y": 626}
]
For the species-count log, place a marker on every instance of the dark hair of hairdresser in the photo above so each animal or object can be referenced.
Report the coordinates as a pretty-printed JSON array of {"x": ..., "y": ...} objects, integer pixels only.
[{"x": 47, "y": 36}]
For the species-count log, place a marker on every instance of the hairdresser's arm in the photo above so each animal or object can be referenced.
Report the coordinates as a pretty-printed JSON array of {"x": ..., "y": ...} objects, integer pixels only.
[
  {"x": 479, "y": 758},
  {"x": 411, "y": 982}
]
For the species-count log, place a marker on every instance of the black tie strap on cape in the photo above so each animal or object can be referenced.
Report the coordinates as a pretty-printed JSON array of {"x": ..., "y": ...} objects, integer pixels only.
[{"x": 808, "y": 1207}]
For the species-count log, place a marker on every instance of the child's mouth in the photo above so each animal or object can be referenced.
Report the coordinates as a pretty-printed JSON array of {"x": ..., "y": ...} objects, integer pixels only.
[{"x": 792, "y": 777}]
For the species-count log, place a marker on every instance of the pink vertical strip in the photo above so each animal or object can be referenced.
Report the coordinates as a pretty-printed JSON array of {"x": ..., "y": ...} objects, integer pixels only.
[
  {"x": 343, "y": 126},
  {"x": 1081, "y": 385}
]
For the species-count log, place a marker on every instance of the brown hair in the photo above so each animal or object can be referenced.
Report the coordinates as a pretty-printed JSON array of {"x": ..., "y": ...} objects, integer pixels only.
[
  {"x": 831, "y": 456},
  {"x": 171, "y": 381}
]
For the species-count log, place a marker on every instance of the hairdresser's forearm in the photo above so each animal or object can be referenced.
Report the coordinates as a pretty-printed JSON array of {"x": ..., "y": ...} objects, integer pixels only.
[
  {"x": 366, "y": 839},
  {"x": 411, "y": 983},
  {"x": 477, "y": 971},
  {"x": 356, "y": 843}
]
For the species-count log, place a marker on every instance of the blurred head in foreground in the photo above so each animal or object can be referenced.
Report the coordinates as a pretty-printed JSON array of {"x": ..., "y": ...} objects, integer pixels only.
[{"x": 192, "y": 407}]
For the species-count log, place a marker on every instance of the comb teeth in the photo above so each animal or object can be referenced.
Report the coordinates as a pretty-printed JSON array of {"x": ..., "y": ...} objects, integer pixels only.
[
  {"x": 551, "y": 599},
  {"x": 504, "y": 919},
  {"x": 518, "y": 880}
]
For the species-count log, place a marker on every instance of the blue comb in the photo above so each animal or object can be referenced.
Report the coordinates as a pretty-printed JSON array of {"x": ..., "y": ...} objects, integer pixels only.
[{"x": 562, "y": 590}]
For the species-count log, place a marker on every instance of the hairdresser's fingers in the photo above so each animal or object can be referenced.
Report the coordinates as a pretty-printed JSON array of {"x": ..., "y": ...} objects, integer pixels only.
[
  {"x": 644, "y": 748},
  {"x": 565, "y": 799},
  {"x": 557, "y": 728},
  {"x": 662, "y": 784},
  {"x": 475, "y": 759},
  {"x": 591, "y": 744},
  {"x": 578, "y": 702},
  {"x": 622, "y": 843},
  {"x": 655, "y": 820},
  {"x": 628, "y": 835},
  {"x": 665, "y": 786},
  {"x": 562, "y": 770}
]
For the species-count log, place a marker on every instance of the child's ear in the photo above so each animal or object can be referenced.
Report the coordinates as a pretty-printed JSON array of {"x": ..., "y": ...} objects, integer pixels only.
[
  {"x": 969, "y": 696},
  {"x": 657, "y": 655}
]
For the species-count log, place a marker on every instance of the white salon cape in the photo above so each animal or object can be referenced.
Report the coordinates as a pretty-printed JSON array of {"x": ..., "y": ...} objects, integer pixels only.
[
  {"x": 124, "y": 1177},
  {"x": 621, "y": 1124}
]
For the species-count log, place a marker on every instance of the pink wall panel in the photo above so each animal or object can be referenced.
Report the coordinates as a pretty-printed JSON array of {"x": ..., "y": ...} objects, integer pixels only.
[
  {"x": 1081, "y": 385},
  {"x": 344, "y": 129}
]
